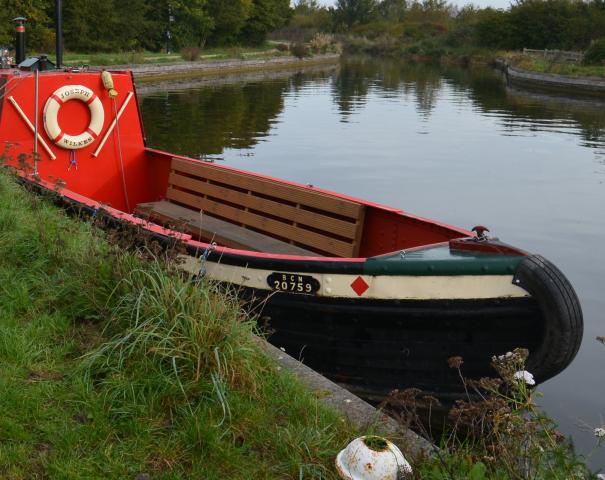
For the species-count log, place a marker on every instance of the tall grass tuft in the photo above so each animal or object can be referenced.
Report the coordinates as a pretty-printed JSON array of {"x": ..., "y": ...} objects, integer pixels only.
[
  {"x": 180, "y": 332},
  {"x": 113, "y": 364}
]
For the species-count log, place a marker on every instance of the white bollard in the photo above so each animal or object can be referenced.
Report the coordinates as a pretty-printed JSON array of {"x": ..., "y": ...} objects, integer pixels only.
[{"x": 372, "y": 458}]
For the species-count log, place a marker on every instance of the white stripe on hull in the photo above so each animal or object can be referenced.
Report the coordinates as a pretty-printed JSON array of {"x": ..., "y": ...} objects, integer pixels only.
[{"x": 387, "y": 287}]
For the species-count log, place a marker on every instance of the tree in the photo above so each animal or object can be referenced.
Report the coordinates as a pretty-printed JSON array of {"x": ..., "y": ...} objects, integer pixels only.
[
  {"x": 40, "y": 32},
  {"x": 355, "y": 12},
  {"x": 541, "y": 23},
  {"x": 117, "y": 25},
  {"x": 192, "y": 24},
  {"x": 493, "y": 29},
  {"x": 393, "y": 10},
  {"x": 229, "y": 19},
  {"x": 266, "y": 16},
  {"x": 305, "y": 7}
]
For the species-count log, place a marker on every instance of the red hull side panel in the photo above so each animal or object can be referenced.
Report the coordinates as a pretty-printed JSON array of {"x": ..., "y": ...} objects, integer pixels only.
[
  {"x": 97, "y": 178},
  {"x": 127, "y": 173}
]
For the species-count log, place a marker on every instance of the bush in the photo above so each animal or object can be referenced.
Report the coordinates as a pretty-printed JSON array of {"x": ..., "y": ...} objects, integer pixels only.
[
  {"x": 321, "y": 42},
  {"x": 595, "y": 55},
  {"x": 300, "y": 50},
  {"x": 191, "y": 54},
  {"x": 282, "y": 47}
]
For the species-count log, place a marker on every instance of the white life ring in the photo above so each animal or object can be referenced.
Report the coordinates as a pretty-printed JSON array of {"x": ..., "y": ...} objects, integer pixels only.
[{"x": 51, "y": 116}]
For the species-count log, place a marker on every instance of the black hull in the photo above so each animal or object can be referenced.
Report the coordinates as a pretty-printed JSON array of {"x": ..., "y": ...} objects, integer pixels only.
[{"x": 373, "y": 347}]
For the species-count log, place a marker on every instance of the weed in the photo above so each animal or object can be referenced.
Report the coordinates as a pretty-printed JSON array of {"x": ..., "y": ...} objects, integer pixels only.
[
  {"x": 300, "y": 50},
  {"x": 112, "y": 363},
  {"x": 378, "y": 444},
  {"x": 191, "y": 54},
  {"x": 497, "y": 432}
]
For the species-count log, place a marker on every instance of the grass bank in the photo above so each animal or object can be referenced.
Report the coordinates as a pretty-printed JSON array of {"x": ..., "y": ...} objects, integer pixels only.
[
  {"x": 267, "y": 50},
  {"x": 541, "y": 65},
  {"x": 112, "y": 366},
  {"x": 115, "y": 365},
  {"x": 431, "y": 49},
  {"x": 435, "y": 50}
]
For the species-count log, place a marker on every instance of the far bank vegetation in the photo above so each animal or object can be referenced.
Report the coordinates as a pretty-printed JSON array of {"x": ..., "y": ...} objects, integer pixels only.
[{"x": 438, "y": 29}]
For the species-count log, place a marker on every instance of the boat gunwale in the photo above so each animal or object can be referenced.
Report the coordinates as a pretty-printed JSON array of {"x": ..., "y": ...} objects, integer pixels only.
[{"x": 319, "y": 264}]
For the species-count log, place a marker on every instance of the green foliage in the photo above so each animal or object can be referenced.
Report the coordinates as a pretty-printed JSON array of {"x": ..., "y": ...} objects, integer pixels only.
[
  {"x": 112, "y": 366},
  {"x": 435, "y": 27},
  {"x": 266, "y": 16},
  {"x": 40, "y": 30},
  {"x": 300, "y": 50},
  {"x": 191, "y": 54},
  {"x": 595, "y": 55},
  {"x": 497, "y": 432},
  {"x": 541, "y": 24},
  {"x": 192, "y": 24},
  {"x": 393, "y": 10},
  {"x": 115, "y": 25},
  {"x": 349, "y": 13},
  {"x": 493, "y": 28},
  {"x": 537, "y": 64},
  {"x": 229, "y": 19}
]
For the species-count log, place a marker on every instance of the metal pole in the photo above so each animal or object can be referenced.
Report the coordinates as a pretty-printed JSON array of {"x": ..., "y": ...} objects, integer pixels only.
[
  {"x": 59, "y": 26},
  {"x": 36, "y": 116}
]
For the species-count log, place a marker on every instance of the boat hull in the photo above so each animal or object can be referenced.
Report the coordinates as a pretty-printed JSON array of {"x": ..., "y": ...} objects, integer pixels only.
[
  {"x": 378, "y": 340},
  {"x": 403, "y": 337},
  {"x": 377, "y": 346}
]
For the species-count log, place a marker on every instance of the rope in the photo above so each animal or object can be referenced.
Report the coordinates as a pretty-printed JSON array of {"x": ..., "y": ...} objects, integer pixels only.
[
  {"x": 115, "y": 111},
  {"x": 73, "y": 160},
  {"x": 204, "y": 258}
]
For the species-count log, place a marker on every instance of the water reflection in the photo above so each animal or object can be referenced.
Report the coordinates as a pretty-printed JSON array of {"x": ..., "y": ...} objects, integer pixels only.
[
  {"x": 361, "y": 76},
  {"x": 450, "y": 143},
  {"x": 242, "y": 116},
  {"x": 239, "y": 115}
]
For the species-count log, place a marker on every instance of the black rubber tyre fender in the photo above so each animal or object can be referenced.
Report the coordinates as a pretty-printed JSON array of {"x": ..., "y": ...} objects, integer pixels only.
[{"x": 563, "y": 324}]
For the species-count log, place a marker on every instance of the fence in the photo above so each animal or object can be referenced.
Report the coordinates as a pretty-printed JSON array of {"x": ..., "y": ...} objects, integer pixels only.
[{"x": 555, "y": 55}]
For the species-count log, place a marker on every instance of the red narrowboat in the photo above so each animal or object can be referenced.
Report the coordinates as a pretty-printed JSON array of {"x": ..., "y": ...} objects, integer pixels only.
[{"x": 371, "y": 296}]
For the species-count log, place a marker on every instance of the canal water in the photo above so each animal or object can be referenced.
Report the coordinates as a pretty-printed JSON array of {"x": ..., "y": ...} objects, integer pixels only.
[{"x": 447, "y": 143}]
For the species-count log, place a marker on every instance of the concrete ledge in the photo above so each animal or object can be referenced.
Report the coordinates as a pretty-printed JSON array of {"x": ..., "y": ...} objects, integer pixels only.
[
  {"x": 349, "y": 406},
  {"x": 549, "y": 81},
  {"x": 230, "y": 78},
  {"x": 157, "y": 71}
]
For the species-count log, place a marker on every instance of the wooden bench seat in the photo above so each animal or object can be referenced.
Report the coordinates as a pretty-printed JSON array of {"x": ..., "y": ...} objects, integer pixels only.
[
  {"x": 213, "y": 229},
  {"x": 258, "y": 213}
]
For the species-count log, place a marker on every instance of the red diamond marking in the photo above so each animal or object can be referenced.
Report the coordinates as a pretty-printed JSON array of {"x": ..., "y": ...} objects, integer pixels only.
[{"x": 360, "y": 286}]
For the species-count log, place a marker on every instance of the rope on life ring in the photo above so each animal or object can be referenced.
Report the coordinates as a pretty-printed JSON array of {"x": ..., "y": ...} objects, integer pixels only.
[{"x": 51, "y": 117}]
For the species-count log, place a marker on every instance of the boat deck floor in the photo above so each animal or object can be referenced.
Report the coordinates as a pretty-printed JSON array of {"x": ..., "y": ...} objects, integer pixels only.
[{"x": 213, "y": 229}]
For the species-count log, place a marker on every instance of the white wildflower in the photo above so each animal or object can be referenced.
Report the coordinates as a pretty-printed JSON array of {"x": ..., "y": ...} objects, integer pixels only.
[
  {"x": 282, "y": 349},
  {"x": 506, "y": 356},
  {"x": 348, "y": 400},
  {"x": 524, "y": 375},
  {"x": 599, "y": 432}
]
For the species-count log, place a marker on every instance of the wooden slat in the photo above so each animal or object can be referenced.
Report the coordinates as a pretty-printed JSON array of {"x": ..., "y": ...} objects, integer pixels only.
[
  {"x": 359, "y": 235},
  {"x": 288, "y": 212},
  {"x": 268, "y": 225},
  {"x": 217, "y": 230},
  {"x": 291, "y": 193}
]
